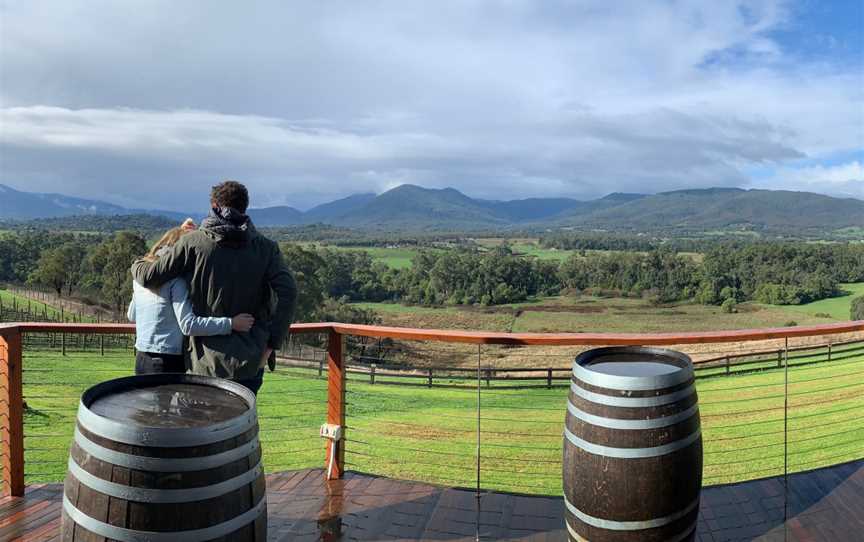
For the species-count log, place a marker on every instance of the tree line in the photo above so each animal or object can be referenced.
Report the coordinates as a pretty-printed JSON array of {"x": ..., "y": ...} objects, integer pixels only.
[
  {"x": 727, "y": 274},
  {"x": 91, "y": 266},
  {"x": 96, "y": 267}
]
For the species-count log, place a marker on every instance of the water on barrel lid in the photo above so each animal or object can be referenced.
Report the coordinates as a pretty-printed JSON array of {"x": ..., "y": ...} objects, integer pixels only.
[
  {"x": 171, "y": 405},
  {"x": 633, "y": 368}
]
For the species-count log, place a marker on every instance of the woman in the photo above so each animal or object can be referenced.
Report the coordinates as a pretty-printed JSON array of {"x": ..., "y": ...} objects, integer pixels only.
[{"x": 163, "y": 317}]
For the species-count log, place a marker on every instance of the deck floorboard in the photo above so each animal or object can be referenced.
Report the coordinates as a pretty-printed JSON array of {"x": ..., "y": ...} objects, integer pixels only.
[{"x": 823, "y": 505}]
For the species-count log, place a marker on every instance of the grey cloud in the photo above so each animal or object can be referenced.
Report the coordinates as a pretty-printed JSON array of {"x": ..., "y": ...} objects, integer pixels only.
[{"x": 308, "y": 101}]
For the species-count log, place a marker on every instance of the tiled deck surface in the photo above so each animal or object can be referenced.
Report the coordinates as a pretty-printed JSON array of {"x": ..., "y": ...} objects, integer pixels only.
[{"x": 824, "y": 505}]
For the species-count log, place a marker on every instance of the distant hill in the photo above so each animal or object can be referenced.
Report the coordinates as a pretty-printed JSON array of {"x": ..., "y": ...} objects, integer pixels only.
[
  {"x": 532, "y": 208},
  {"x": 414, "y": 208},
  {"x": 95, "y": 223},
  {"x": 726, "y": 208},
  {"x": 23, "y": 205},
  {"x": 18, "y": 205},
  {"x": 409, "y": 206},
  {"x": 276, "y": 216},
  {"x": 335, "y": 210}
]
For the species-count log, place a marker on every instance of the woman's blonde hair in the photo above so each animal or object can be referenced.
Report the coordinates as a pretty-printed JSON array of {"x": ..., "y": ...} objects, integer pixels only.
[{"x": 171, "y": 236}]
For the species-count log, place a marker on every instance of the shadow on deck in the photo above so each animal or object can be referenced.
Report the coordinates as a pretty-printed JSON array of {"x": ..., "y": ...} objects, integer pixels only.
[{"x": 823, "y": 505}]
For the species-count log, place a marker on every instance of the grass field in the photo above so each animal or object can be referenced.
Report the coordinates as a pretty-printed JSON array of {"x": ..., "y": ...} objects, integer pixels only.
[
  {"x": 7, "y": 298},
  {"x": 394, "y": 257},
  {"x": 429, "y": 434},
  {"x": 400, "y": 257},
  {"x": 837, "y": 307},
  {"x": 587, "y": 313}
]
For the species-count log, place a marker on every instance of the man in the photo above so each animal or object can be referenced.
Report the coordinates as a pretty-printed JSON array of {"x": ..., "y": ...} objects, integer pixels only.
[{"x": 230, "y": 269}]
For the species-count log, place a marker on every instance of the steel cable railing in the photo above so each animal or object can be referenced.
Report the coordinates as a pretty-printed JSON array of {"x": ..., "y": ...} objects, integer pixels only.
[
  {"x": 464, "y": 415},
  {"x": 291, "y": 406},
  {"x": 743, "y": 413}
]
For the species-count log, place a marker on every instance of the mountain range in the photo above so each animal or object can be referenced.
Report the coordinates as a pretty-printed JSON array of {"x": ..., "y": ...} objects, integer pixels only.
[{"x": 413, "y": 208}]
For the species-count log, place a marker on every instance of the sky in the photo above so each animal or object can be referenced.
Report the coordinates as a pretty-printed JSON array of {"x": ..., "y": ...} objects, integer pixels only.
[{"x": 148, "y": 104}]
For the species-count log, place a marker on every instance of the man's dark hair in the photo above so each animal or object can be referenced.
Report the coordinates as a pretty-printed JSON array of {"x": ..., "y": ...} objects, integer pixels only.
[{"x": 230, "y": 194}]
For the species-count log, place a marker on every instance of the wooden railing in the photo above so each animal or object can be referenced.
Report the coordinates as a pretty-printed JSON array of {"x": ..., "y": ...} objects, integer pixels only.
[{"x": 11, "y": 361}]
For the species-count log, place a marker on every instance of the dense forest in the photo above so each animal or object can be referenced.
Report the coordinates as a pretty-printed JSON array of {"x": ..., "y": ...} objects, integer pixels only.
[
  {"x": 777, "y": 273},
  {"x": 95, "y": 267}
]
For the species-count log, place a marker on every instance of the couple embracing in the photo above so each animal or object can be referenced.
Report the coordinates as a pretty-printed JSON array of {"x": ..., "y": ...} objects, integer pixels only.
[{"x": 223, "y": 285}]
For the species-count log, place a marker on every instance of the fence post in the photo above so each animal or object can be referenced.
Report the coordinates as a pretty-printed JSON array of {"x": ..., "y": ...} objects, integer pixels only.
[
  {"x": 372, "y": 375},
  {"x": 727, "y": 365},
  {"x": 779, "y": 358},
  {"x": 102, "y": 343},
  {"x": 320, "y": 368},
  {"x": 549, "y": 379},
  {"x": 63, "y": 342},
  {"x": 829, "y": 349},
  {"x": 12, "y": 413},
  {"x": 430, "y": 377},
  {"x": 336, "y": 402}
]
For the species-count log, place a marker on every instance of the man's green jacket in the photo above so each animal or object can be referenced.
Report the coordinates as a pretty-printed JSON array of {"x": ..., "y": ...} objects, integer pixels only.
[{"x": 229, "y": 275}]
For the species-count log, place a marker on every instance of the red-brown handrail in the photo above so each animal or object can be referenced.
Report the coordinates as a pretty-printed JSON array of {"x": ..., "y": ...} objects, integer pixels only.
[
  {"x": 11, "y": 344},
  {"x": 494, "y": 337},
  {"x": 576, "y": 339}
]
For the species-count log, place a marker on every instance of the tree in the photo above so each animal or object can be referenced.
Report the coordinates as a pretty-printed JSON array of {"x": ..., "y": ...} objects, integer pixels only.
[
  {"x": 108, "y": 267},
  {"x": 60, "y": 268},
  {"x": 305, "y": 264},
  {"x": 857, "y": 311}
]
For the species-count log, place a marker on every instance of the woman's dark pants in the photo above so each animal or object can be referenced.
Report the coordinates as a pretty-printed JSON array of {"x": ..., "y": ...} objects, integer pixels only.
[{"x": 148, "y": 363}]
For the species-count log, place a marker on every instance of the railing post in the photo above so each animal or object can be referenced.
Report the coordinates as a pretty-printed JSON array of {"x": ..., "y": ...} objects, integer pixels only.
[
  {"x": 12, "y": 413},
  {"x": 727, "y": 365},
  {"x": 779, "y": 359},
  {"x": 372, "y": 375},
  {"x": 430, "y": 377},
  {"x": 336, "y": 402},
  {"x": 549, "y": 379}
]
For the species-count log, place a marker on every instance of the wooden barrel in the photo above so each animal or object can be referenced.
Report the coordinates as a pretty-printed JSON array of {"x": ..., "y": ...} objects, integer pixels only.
[
  {"x": 165, "y": 457},
  {"x": 632, "y": 447}
]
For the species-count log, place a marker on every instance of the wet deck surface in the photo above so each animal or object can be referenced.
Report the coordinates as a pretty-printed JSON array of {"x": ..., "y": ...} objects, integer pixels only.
[{"x": 823, "y": 505}]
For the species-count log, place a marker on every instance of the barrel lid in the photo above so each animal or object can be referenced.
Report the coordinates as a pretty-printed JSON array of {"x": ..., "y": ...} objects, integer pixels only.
[
  {"x": 169, "y": 409},
  {"x": 633, "y": 368}
]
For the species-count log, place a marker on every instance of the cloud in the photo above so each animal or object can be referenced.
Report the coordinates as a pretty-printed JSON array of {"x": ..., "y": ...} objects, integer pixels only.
[
  {"x": 845, "y": 179},
  {"x": 310, "y": 101}
]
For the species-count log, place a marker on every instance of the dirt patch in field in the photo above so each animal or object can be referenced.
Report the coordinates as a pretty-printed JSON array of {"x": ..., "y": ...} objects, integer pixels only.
[
  {"x": 655, "y": 313},
  {"x": 581, "y": 309}
]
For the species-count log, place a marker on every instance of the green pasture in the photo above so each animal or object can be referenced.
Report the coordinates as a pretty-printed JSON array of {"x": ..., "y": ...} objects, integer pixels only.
[
  {"x": 394, "y": 257},
  {"x": 591, "y": 313},
  {"x": 8, "y": 298},
  {"x": 429, "y": 434},
  {"x": 837, "y": 307},
  {"x": 397, "y": 258},
  {"x": 39, "y": 308},
  {"x": 401, "y": 257},
  {"x": 536, "y": 251}
]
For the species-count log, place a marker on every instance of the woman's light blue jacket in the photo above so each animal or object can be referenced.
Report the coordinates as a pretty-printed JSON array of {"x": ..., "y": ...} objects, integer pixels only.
[{"x": 162, "y": 318}]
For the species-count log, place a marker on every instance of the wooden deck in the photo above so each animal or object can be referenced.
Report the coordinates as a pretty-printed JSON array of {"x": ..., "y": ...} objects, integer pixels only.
[{"x": 823, "y": 505}]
